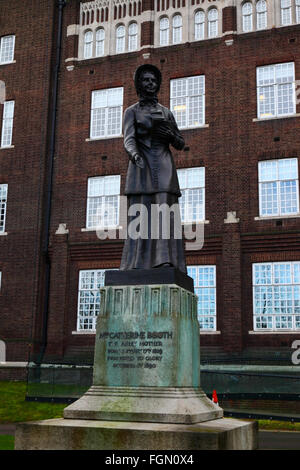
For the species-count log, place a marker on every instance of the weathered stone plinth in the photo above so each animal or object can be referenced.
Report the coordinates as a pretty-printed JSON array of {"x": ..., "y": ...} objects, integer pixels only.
[
  {"x": 79, "y": 434},
  {"x": 146, "y": 390},
  {"x": 146, "y": 364}
]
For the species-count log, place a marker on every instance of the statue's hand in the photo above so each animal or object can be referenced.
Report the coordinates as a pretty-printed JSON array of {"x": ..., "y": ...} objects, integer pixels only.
[
  {"x": 165, "y": 133},
  {"x": 138, "y": 160}
]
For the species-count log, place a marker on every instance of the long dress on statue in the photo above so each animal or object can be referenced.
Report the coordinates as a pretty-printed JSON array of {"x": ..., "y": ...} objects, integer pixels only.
[{"x": 156, "y": 183}]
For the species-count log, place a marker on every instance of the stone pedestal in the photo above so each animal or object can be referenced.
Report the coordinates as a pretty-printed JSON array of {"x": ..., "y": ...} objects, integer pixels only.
[{"x": 146, "y": 385}]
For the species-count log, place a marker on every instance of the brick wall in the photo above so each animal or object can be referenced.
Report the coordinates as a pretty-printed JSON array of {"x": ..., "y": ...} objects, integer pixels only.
[{"x": 229, "y": 148}]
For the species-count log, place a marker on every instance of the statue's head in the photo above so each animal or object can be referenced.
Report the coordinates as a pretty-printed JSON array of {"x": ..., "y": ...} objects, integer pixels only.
[{"x": 147, "y": 80}]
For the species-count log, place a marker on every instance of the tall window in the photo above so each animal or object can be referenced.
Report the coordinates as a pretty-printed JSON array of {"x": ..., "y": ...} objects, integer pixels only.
[
  {"x": 247, "y": 14},
  {"x": 88, "y": 45},
  {"x": 199, "y": 24},
  {"x": 90, "y": 282},
  {"x": 3, "y": 202},
  {"x": 103, "y": 202},
  {"x": 297, "y": 11},
  {"x": 188, "y": 101},
  {"x": 278, "y": 187},
  {"x": 100, "y": 41},
  {"x": 177, "y": 29},
  {"x": 164, "y": 28},
  {"x": 205, "y": 288},
  {"x": 133, "y": 37},
  {"x": 261, "y": 14},
  {"x": 286, "y": 12},
  {"x": 212, "y": 23},
  {"x": 192, "y": 201},
  {"x": 276, "y": 296},
  {"x": 7, "y": 123},
  {"x": 7, "y": 49},
  {"x": 276, "y": 90},
  {"x": 120, "y": 39},
  {"x": 106, "y": 113}
]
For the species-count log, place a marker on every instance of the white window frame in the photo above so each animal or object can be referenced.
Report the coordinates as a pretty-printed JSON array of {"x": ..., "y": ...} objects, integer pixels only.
[
  {"x": 164, "y": 31},
  {"x": 93, "y": 307},
  {"x": 120, "y": 39},
  {"x": 3, "y": 206},
  {"x": 100, "y": 42},
  {"x": 261, "y": 15},
  {"x": 199, "y": 25},
  {"x": 177, "y": 29},
  {"x": 187, "y": 187},
  {"x": 7, "y": 123},
  {"x": 213, "y": 22},
  {"x": 275, "y": 89},
  {"x": 107, "y": 118},
  {"x": 247, "y": 17},
  {"x": 10, "y": 38},
  {"x": 271, "y": 296},
  {"x": 88, "y": 44},
  {"x": 133, "y": 37},
  {"x": 277, "y": 181},
  {"x": 211, "y": 324},
  {"x": 108, "y": 201},
  {"x": 186, "y": 100},
  {"x": 286, "y": 12},
  {"x": 297, "y": 6}
]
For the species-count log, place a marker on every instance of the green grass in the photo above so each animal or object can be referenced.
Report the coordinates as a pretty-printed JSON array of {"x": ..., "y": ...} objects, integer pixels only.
[
  {"x": 278, "y": 425},
  {"x": 14, "y": 408},
  {"x": 7, "y": 442}
]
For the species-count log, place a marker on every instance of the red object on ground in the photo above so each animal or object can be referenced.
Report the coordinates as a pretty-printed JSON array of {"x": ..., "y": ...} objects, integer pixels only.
[{"x": 215, "y": 397}]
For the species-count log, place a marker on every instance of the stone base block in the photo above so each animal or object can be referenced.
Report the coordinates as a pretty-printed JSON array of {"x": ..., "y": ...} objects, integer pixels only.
[
  {"x": 71, "y": 434},
  {"x": 152, "y": 404}
]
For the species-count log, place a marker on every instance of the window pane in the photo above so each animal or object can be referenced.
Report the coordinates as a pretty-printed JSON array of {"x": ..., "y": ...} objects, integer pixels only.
[
  {"x": 106, "y": 112},
  {"x": 132, "y": 37},
  {"x": 199, "y": 25},
  {"x": 7, "y": 46},
  {"x": 7, "y": 123},
  {"x": 100, "y": 38},
  {"x": 3, "y": 201},
  {"x": 188, "y": 101},
  {"x": 88, "y": 45},
  {"x": 89, "y": 298},
  {"x": 247, "y": 16},
  {"x": 103, "y": 201},
  {"x": 205, "y": 288},
  {"x": 164, "y": 32},
  {"x": 275, "y": 306}
]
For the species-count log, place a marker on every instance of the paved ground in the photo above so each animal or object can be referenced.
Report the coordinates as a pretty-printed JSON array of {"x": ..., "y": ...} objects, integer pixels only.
[
  {"x": 279, "y": 440},
  {"x": 268, "y": 440}
]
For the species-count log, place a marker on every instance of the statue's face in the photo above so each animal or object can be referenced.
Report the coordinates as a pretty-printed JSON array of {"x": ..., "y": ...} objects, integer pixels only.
[{"x": 149, "y": 83}]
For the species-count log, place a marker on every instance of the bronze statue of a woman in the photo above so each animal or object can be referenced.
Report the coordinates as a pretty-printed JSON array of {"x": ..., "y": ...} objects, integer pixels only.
[{"x": 149, "y": 129}]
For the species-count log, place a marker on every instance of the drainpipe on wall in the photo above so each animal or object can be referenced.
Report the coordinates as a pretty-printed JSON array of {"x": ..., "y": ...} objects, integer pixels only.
[{"x": 61, "y": 4}]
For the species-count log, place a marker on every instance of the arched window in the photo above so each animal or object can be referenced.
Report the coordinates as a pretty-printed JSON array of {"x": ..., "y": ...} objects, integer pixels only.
[
  {"x": 247, "y": 13},
  {"x": 177, "y": 29},
  {"x": 286, "y": 12},
  {"x": 132, "y": 37},
  {"x": 88, "y": 45},
  {"x": 100, "y": 38},
  {"x": 213, "y": 23},
  {"x": 261, "y": 14},
  {"x": 199, "y": 24},
  {"x": 120, "y": 39},
  {"x": 164, "y": 28},
  {"x": 297, "y": 11}
]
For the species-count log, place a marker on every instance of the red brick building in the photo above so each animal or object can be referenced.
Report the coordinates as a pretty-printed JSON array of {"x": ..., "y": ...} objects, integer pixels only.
[{"x": 230, "y": 75}]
